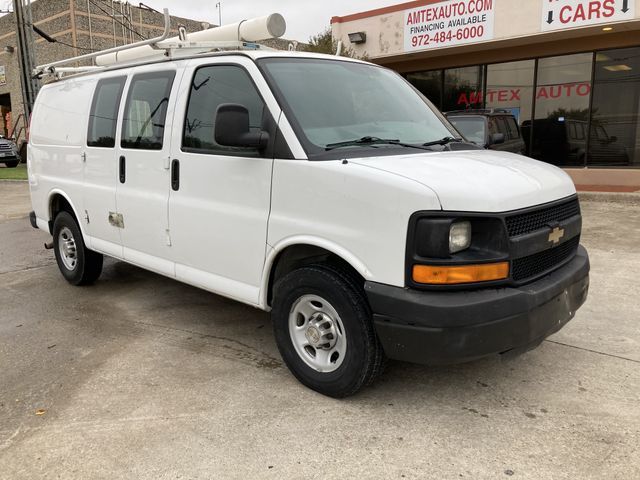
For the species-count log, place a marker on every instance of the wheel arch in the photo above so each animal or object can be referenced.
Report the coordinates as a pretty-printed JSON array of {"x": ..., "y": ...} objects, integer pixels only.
[
  {"x": 299, "y": 251},
  {"x": 58, "y": 201}
]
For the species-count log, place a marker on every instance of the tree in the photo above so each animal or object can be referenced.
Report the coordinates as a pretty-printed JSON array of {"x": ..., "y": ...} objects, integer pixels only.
[
  {"x": 573, "y": 113},
  {"x": 325, "y": 43}
]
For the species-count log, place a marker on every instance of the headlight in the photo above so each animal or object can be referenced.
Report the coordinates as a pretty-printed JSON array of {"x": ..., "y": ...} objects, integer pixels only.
[{"x": 459, "y": 236}]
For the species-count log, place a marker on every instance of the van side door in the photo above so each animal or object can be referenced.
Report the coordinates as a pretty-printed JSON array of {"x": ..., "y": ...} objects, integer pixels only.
[
  {"x": 220, "y": 198},
  {"x": 101, "y": 165},
  {"x": 143, "y": 167}
]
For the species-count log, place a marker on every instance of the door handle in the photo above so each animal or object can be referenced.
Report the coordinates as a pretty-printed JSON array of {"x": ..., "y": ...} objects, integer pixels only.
[
  {"x": 175, "y": 175},
  {"x": 123, "y": 169}
]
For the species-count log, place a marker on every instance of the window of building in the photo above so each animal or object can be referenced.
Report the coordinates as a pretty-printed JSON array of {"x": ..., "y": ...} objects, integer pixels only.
[
  {"x": 104, "y": 113},
  {"x": 429, "y": 84},
  {"x": 510, "y": 87},
  {"x": 146, "y": 111},
  {"x": 615, "y": 116},
  {"x": 576, "y": 123},
  {"x": 463, "y": 88},
  {"x": 211, "y": 87},
  {"x": 561, "y": 107}
]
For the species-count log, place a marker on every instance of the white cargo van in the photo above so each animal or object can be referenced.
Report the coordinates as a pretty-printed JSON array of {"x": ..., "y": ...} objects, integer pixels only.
[{"x": 325, "y": 190}]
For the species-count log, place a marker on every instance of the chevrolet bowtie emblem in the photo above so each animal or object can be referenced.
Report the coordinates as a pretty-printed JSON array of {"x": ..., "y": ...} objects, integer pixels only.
[{"x": 556, "y": 235}]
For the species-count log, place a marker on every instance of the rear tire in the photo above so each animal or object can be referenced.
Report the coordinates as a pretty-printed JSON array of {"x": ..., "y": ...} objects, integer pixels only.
[
  {"x": 12, "y": 164},
  {"x": 78, "y": 265},
  {"x": 324, "y": 331}
]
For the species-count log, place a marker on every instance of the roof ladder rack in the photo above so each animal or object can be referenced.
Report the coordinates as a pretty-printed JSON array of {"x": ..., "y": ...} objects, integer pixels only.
[
  {"x": 240, "y": 36},
  {"x": 53, "y": 70}
]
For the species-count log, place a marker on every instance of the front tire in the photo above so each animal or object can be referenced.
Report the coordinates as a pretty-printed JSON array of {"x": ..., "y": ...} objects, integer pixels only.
[
  {"x": 78, "y": 265},
  {"x": 324, "y": 331},
  {"x": 12, "y": 164}
]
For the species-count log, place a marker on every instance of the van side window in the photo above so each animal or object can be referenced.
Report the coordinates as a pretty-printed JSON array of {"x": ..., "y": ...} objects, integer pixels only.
[
  {"x": 212, "y": 86},
  {"x": 104, "y": 112},
  {"x": 146, "y": 110}
]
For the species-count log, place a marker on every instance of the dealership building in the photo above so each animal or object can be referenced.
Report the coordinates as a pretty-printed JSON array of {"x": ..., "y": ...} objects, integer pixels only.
[{"x": 568, "y": 70}]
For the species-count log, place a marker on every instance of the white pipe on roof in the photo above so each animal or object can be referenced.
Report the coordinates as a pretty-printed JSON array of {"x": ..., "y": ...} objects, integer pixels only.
[{"x": 271, "y": 26}]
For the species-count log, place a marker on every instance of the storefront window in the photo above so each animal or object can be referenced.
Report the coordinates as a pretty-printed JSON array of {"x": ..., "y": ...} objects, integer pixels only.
[
  {"x": 561, "y": 110},
  {"x": 463, "y": 88},
  {"x": 510, "y": 87},
  {"x": 615, "y": 126},
  {"x": 429, "y": 84},
  {"x": 554, "y": 113}
]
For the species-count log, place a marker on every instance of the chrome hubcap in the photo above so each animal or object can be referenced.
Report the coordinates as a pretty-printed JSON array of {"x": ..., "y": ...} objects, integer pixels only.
[
  {"x": 317, "y": 333},
  {"x": 67, "y": 248}
]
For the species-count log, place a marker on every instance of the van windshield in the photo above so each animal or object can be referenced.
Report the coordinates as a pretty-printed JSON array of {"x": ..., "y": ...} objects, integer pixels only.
[{"x": 339, "y": 104}]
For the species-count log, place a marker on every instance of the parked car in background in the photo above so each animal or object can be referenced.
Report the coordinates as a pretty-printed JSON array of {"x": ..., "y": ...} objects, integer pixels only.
[
  {"x": 9, "y": 152},
  {"x": 492, "y": 129},
  {"x": 563, "y": 141}
]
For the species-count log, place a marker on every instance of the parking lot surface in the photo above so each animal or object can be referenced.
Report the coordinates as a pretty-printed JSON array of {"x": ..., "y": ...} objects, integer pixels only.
[{"x": 142, "y": 377}]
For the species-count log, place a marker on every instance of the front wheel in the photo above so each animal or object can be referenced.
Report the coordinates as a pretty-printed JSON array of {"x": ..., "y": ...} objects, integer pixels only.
[
  {"x": 323, "y": 328},
  {"x": 78, "y": 264},
  {"x": 12, "y": 164}
]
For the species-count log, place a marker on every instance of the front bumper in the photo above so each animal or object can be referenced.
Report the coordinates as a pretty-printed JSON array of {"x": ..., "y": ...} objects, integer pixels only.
[{"x": 454, "y": 327}]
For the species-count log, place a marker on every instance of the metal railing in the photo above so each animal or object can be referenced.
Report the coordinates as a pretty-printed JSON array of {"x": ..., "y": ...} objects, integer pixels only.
[{"x": 23, "y": 128}]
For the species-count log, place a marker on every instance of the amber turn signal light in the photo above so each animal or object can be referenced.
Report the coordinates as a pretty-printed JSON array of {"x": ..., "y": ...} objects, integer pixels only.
[{"x": 457, "y": 274}]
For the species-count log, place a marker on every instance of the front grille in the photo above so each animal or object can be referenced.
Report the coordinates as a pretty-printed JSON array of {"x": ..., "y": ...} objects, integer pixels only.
[
  {"x": 541, "y": 262},
  {"x": 522, "y": 223},
  {"x": 4, "y": 146}
]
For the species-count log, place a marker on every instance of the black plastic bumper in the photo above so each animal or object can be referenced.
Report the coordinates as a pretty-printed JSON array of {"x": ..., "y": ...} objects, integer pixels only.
[{"x": 454, "y": 327}]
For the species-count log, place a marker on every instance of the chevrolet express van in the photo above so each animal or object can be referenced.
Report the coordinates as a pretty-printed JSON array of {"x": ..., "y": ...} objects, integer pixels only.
[{"x": 325, "y": 190}]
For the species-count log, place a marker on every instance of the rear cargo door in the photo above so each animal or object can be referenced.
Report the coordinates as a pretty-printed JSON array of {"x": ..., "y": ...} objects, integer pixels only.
[{"x": 100, "y": 165}]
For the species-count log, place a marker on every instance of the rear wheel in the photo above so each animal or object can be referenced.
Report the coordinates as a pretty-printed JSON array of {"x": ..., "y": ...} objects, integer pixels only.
[
  {"x": 78, "y": 265},
  {"x": 323, "y": 328},
  {"x": 12, "y": 164}
]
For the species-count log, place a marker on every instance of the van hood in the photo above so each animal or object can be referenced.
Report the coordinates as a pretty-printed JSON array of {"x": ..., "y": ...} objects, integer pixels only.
[{"x": 479, "y": 180}]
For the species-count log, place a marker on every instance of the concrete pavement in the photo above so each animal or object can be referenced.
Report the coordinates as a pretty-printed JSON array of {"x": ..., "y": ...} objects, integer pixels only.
[{"x": 142, "y": 377}]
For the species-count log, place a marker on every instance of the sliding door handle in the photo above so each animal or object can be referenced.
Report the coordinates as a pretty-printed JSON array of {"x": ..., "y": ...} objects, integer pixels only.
[
  {"x": 175, "y": 175},
  {"x": 122, "y": 169}
]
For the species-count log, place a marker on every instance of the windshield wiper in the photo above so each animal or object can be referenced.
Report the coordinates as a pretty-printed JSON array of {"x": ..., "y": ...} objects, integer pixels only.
[
  {"x": 368, "y": 141},
  {"x": 442, "y": 141}
]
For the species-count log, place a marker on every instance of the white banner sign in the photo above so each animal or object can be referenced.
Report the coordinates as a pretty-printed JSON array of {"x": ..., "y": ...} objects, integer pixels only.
[
  {"x": 561, "y": 14},
  {"x": 448, "y": 23}
]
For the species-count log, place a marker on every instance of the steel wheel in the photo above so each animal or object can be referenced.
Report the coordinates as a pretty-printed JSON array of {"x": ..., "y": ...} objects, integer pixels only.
[
  {"x": 68, "y": 248},
  {"x": 317, "y": 333}
]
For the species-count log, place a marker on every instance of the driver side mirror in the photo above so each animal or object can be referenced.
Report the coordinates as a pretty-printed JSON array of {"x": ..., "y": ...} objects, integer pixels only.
[
  {"x": 496, "y": 139},
  {"x": 232, "y": 128}
]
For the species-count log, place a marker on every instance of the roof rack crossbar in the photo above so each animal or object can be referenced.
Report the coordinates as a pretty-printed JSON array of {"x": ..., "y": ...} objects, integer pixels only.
[{"x": 50, "y": 68}]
